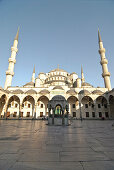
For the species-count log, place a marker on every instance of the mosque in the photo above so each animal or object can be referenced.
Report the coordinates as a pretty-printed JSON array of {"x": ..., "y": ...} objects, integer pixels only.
[{"x": 47, "y": 94}]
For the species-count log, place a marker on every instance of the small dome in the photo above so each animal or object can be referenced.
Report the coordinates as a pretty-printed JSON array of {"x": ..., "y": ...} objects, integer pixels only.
[
  {"x": 29, "y": 84},
  {"x": 31, "y": 92},
  {"x": 44, "y": 91},
  {"x": 86, "y": 84},
  {"x": 18, "y": 91},
  {"x": 97, "y": 92},
  {"x": 58, "y": 87},
  {"x": 86, "y": 92},
  {"x": 72, "y": 91}
]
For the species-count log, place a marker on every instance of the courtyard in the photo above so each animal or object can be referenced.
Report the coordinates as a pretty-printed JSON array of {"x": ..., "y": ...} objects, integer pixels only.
[{"x": 31, "y": 145}]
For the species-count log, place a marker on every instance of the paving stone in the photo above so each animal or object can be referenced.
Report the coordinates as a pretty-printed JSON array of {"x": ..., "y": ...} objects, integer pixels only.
[{"x": 31, "y": 145}]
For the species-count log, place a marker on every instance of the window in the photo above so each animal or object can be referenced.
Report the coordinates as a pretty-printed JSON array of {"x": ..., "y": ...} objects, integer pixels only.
[
  {"x": 73, "y": 106},
  {"x": 100, "y": 114},
  {"x": 41, "y": 114},
  {"x": 16, "y": 105},
  {"x": 92, "y": 105},
  {"x": 74, "y": 114},
  {"x": 93, "y": 114},
  {"x": 28, "y": 105},
  {"x": 9, "y": 105},
  {"x": 41, "y": 105},
  {"x": 99, "y": 106},
  {"x": 87, "y": 114},
  {"x": 22, "y": 105},
  {"x": 13, "y": 103},
  {"x": 21, "y": 114},
  {"x": 106, "y": 114},
  {"x": 86, "y": 105},
  {"x": 28, "y": 114},
  {"x": 105, "y": 105},
  {"x": 15, "y": 113}
]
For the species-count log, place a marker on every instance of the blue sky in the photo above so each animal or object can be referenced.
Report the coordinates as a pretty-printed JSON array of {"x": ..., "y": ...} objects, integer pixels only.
[{"x": 56, "y": 32}]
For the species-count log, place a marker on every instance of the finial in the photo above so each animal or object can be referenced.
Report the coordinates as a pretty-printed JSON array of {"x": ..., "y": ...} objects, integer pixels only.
[
  {"x": 99, "y": 37},
  {"x": 17, "y": 35},
  {"x": 34, "y": 69}
]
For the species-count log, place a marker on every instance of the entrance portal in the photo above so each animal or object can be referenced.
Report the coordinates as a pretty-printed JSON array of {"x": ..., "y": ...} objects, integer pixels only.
[{"x": 58, "y": 111}]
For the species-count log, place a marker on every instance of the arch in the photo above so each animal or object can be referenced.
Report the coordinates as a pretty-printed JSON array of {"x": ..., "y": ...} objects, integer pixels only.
[
  {"x": 13, "y": 106},
  {"x": 111, "y": 104},
  {"x": 31, "y": 91},
  {"x": 2, "y": 103},
  {"x": 87, "y": 100},
  {"x": 42, "y": 106},
  {"x": 58, "y": 100},
  {"x": 28, "y": 104},
  {"x": 73, "y": 105},
  {"x": 101, "y": 99}
]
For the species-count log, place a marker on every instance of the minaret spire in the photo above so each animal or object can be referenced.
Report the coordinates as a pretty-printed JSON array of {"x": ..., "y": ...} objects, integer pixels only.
[
  {"x": 82, "y": 75},
  {"x": 104, "y": 62},
  {"x": 99, "y": 37},
  {"x": 12, "y": 61},
  {"x": 17, "y": 35},
  {"x": 33, "y": 75}
]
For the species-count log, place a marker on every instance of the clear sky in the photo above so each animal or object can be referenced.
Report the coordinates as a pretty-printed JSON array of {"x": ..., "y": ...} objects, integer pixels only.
[{"x": 56, "y": 32}]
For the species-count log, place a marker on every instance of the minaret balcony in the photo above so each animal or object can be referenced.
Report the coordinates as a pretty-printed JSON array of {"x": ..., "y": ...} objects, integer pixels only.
[
  {"x": 14, "y": 49},
  {"x": 8, "y": 72},
  {"x": 104, "y": 61},
  {"x": 102, "y": 51},
  {"x": 12, "y": 60},
  {"x": 106, "y": 74}
]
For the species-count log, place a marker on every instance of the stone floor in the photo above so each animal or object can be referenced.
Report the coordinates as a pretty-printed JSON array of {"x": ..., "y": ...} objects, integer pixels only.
[{"x": 31, "y": 145}]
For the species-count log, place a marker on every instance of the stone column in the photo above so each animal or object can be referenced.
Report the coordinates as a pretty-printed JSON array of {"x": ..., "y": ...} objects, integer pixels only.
[
  {"x": 20, "y": 110},
  {"x": 80, "y": 105}
]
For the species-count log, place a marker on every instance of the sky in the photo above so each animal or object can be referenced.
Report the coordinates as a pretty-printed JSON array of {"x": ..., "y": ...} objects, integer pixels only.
[{"x": 53, "y": 32}]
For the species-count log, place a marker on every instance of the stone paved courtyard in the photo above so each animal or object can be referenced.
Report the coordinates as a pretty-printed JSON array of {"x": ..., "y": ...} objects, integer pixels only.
[{"x": 31, "y": 145}]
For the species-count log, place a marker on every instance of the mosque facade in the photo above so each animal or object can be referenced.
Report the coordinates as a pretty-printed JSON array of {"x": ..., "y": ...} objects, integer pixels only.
[{"x": 31, "y": 101}]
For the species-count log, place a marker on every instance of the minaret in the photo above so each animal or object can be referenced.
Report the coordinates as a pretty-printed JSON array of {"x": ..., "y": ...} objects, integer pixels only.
[
  {"x": 104, "y": 62},
  {"x": 33, "y": 75},
  {"x": 12, "y": 61},
  {"x": 82, "y": 75}
]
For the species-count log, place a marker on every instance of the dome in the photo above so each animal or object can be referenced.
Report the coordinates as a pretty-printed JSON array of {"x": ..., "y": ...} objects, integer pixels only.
[
  {"x": 97, "y": 92},
  {"x": 29, "y": 84},
  {"x": 72, "y": 91},
  {"x": 18, "y": 91},
  {"x": 58, "y": 69},
  {"x": 58, "y": 87},
  {"x": 86, "y": 92},
  {"x": 31, "y": 92},
  {"x": 58, "y": 97},
  {"x": 44, "y": 91},
  {"x": 86, "y": 84}
]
